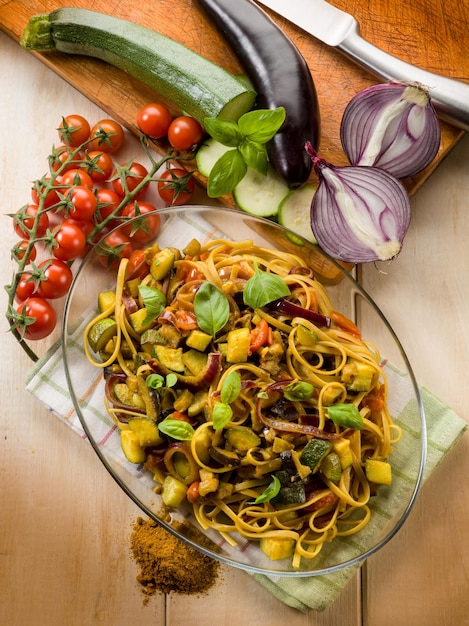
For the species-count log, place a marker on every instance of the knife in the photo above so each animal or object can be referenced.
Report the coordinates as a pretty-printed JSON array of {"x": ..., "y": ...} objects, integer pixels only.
[{"x": 341, "y": 30}]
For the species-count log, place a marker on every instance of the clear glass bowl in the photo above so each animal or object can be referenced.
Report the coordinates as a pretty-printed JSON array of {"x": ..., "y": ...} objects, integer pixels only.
[{"x": 178, "y": 226}]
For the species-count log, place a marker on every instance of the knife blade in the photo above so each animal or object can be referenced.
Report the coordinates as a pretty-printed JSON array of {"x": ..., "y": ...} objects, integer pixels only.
[{"x": 341, "y": 30}]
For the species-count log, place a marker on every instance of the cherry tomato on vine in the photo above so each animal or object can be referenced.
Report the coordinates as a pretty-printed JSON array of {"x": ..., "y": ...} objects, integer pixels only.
[
  {"x": 176, "y": 186},
  {"x": 98, "y": 165},
  {"x": 108, "y": 136},
  {"x": 185, "y": 132},
  {"x": 116, "y": 247},
  {"x": 77, "y": 176},
  {"x": 45, "y": 317},
  {"x": 136, "y": 173},
  {"x": 21, "y": 249},
  {"x": 108, "y": 201},
  {"x": 51, "y": 197},
  {"x": 71, "y": 241},
  {"x": 74, "y": 130},
  {"x": 59, "y": 158},
  {"x": 84, "y": 203},
  {"x": 25, "y": 220},
  {"x": 145, "y": 227},
  {"x": 25, "y": 288},
  {"x": 58, "y": 278},
  {"x": 154, "y": 120}
]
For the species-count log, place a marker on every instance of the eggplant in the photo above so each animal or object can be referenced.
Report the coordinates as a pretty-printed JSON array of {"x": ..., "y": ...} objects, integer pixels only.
[{"x": 281, "y": 77}]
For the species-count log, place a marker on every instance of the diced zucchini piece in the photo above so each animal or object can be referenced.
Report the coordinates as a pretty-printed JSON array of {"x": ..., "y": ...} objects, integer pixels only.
[
  {"x": 162, "y": 263},
  {"x": 242, "y": 438},
  {"x": 378, "y": 472},
  {"x": 170, "y": 358},
  {"x": 131, "y": 447},
  {"x": 358, "y": 376},
  {"x": 277, "y": 548},
  {"x": 198, "y": 340},
  {"x": 106, "y": 299},
  {"x": 238, "y": 341},
  {"x": 343, "y": 450},
  {"x": 281, "y": 445},
  {"x": 331, "y": 467},
  {"x": 195, "y": 361},
  {"x": 101, "y": 332},
  {"x": 314, "y": 451},
  {"x": 183, "y": 401},
  {"x": 173, "y": 491},
  {"x": 146, "y": 430},
  {"x": 294, "y": 493},
  {"x": 137, "y": 320},
  {"x": 127, "y": 396}
]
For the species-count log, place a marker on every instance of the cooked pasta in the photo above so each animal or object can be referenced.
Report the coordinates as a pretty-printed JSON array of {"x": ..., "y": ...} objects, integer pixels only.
[{"x": 235, "y": 382}]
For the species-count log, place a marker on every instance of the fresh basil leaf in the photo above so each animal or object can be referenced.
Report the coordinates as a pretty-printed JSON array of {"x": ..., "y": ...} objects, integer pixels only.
[
  {"x": 211, "y": 308},
  {"x": 262, "y": 124},
  {"x": 171, "y": 380},
  {"x": 254, "y": 155},
  {"x": 298, "y": 390},
  {"x": 176, "y": 429},
  {"x": 231, "y": 388},
  {"x": 263, "y": 288},
  {"x": 346, "y": 415},
  {"x": 223, "y": 131},
  {"x": 221, "y": 415},
  {"x": 153, "y": 300},
  {"x": 154, "y": 381},
  {"x": 269, "y": 492},
  {"x": 227, "y": 172}
]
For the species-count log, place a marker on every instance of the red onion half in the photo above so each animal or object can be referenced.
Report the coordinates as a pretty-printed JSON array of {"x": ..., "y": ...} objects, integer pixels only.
[
  {"x": 358, "y": 214},
  {"x": 391, "y": 126}
]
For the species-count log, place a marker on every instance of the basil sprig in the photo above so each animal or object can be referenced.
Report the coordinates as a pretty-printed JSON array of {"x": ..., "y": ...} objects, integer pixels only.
[
  {"x": 211, "y": 308},
  {"x": 263, "y": 288},
  {"x": 248, "y": 138}
]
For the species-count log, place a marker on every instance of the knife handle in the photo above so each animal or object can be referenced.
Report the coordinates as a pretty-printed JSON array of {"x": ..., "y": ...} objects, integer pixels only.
[{"x": 450, "y": 97}]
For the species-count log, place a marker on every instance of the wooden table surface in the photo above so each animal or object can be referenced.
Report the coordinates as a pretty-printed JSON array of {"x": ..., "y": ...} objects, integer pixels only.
[{"x": 64, "y": 522}]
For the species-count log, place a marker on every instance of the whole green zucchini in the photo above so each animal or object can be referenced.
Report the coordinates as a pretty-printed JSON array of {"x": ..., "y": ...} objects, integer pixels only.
[{"x": 199, "y": 87}]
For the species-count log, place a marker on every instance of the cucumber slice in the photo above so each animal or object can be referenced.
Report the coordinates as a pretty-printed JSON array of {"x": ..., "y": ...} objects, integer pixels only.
[
  {"x": 260, "y": 195},
  {"x": 208, "y": 154},
  {"x": 295, "y": 212}
]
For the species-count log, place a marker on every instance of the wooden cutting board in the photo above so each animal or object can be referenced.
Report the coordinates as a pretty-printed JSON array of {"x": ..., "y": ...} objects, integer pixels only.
[{"x": 427, "y": 33}]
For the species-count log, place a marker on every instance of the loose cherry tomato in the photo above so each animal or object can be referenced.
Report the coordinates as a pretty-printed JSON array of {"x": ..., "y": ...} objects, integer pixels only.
[
  {"x": 20, "y": 250},
  {"x": 136, "y": 173},
  {"x": 108, "y": 136},
  {"x": 176, "y": 186},
  {"x": 25, "y": 288},
  {"x": 77, "y": 176},
  {"x": 154, "y": 120},
  {"x": 45, "y": 317},
  {"x": 98, "y": 165},
  {"x": 184, "y": 132},
  {"x": 26, "y": 216},
  {"x": 74, "y": 130},
  {"x": 71, "y": 241},
  {"x": 84, "y": 203},
  {"x": 137, "y": 266},
  {"x": 58, "y": 278},
  {"x": 145, "y": 227},
  {"x": 108, "y": 201}
]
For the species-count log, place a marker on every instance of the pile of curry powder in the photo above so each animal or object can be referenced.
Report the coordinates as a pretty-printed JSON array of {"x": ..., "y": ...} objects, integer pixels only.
[{"x": 168, "y": 565}]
